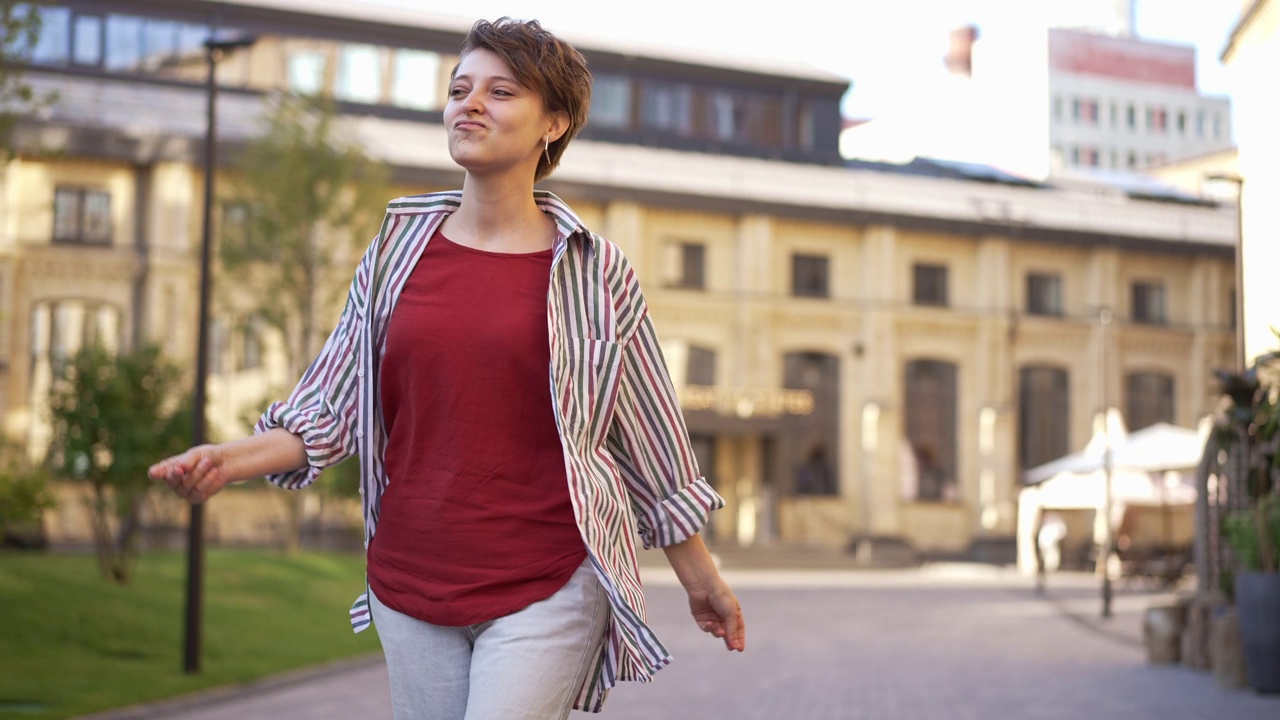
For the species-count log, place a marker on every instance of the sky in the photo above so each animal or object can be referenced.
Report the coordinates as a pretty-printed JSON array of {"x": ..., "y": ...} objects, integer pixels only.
[{"x": 888, "y": 49}]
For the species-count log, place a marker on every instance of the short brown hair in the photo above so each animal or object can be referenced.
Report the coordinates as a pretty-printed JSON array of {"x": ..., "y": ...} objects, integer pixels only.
[{"x": 545, "y": 64}]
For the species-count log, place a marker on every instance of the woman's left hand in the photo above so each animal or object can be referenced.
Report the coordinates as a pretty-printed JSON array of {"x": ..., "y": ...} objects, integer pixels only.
[{"x": 716, "y": 610}]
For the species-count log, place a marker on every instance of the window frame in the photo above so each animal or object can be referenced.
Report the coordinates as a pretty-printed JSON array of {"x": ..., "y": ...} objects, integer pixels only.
[
  {"x": 1051, "y": 282},
  {"x": 920, "y": 271},
  {"x": 817, "y": 266},
  {"x": 1140, "y": 310},
  {"x": 82, "y": 193}
]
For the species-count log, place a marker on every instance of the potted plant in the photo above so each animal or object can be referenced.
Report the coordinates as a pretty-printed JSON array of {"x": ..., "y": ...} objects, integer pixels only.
[{"x": 1253, "y": 533}]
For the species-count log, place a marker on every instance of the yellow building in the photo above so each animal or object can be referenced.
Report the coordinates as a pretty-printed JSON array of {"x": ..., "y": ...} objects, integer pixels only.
[
  {"x": 1251, "y": 56},
  {"x": 871, "y": 351}
]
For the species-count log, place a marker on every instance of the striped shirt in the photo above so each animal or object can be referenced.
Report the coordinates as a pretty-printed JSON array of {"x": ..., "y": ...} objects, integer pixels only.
[{"x": 629, "y": 463}]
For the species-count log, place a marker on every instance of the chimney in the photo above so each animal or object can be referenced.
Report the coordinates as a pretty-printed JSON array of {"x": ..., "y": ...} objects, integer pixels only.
[{"x": 959, "y": 58}]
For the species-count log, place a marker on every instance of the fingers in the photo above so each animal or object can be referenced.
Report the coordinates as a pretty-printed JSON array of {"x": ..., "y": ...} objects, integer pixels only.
[
  {"x": 732, "y": 628},
  {"x": 192, "y": 476}
]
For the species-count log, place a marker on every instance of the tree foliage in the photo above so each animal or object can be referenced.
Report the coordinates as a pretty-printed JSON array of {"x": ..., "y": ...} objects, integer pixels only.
[
  {"x": 113, "y": 415},
  {"x": 307, "y": 201},
  {"x": 19, "y": 32},
  {"x": 24, "y": 496}
]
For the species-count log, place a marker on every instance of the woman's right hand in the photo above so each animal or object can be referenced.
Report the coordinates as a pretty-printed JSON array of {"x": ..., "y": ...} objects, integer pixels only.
[{"x": 195, "y": 475}]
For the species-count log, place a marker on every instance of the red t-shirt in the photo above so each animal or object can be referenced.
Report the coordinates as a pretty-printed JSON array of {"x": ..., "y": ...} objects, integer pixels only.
[{"x": 476, "y": 521}]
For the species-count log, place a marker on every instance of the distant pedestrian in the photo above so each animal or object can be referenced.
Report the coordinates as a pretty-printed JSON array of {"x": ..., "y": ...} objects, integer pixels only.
[{"x": 497, "y": 371}]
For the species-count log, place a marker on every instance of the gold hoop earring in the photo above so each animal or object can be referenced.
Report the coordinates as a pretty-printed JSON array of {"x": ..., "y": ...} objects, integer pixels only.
[{"x": 546, "y": 148}]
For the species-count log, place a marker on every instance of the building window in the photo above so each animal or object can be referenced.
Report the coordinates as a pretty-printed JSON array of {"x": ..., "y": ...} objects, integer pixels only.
[
  {"x": 416, "y": 80},
  {"x": 701, "y": 368},
  {"x": 1148, "y": 399},
  {"x": 930, "y": 408},
  {"x": 1131, "y": 160},
  {"x": 306, "y": 72},
  {"x": 666, "y": 106},
  {"x": 1086, "y": 111},
  {"x": 1156, "y": 120},
  {"x": 1148, "y": 302},
  {"x": 1131, "y": 117},
  {"x": 1044, "y": 294},
  {"x": 1182, "y": 122},
  {"x": 929, "y": 284},
  {"x": 806, "y": 132},
  {"x": 1075, "y": 155},
  {"x": 809, "y": 276},
  {"x": 686, "y": 265},
  {"x": 87, "y": 40},
  {"x": 81, "y": 215},
  {"x": 1057, "y": 108},
  {"x": 1115, "y": 115},
  {"x": 359, "y": 74},
  {"x": 1217, "y": 127},
  {"x": 1089, "y": 156},
  {"x": 124, "y": 43},
  {"x": 1044, "y": 403},
  {"x": 54, "y": 45},
  {"x": 610, "y": 101},
  {"x": 811, "y": 442}
]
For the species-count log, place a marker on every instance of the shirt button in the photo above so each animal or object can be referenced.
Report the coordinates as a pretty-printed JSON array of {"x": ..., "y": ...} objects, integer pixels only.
[
  {"x": 360, "y": 433},
  {"x": 360, "y": 372}
]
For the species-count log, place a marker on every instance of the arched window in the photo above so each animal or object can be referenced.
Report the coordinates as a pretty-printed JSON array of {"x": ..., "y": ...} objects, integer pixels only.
[
  {"x": 1044, "y": 414},
  {"x": 1148, "y": 399},
  {"x": 930, "y": 416},
  {"x": 812, "y": 441}
]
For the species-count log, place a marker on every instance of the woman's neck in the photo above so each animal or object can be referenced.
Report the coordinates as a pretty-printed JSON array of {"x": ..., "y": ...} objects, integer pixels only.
[{"x": 500, "y": 217}]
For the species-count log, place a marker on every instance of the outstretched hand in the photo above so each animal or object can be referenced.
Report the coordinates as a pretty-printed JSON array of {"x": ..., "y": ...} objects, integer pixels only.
[
  {"x": 717, "y": 611},
  {"x": 195, "y": 475}
]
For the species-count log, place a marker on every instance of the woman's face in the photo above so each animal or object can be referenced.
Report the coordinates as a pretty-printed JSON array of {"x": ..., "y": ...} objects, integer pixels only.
[{"x": 495, "y": 124}]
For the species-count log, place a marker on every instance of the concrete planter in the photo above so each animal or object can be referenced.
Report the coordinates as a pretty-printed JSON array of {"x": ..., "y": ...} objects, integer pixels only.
[{"x": 1258, "y": 605}]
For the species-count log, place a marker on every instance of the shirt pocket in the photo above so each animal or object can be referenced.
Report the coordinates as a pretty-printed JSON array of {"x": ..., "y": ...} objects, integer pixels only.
[{"x": 587, "y": 388}]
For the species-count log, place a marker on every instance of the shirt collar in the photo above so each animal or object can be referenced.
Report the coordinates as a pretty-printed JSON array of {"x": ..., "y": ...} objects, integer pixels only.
[{"x": 567, "y": 223}]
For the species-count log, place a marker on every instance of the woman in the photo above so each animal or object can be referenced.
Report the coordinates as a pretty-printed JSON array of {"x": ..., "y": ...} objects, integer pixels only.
[{"x": 502, "y": 574}]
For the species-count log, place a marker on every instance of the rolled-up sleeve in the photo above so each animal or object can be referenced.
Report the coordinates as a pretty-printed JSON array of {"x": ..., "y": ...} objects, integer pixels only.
[
  {"x": 322, "y": 407},
  {"x": 650, "y": 443}
]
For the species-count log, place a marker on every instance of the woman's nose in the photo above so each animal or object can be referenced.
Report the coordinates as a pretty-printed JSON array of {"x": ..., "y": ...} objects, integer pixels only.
[{"x": 472, "y": 102}]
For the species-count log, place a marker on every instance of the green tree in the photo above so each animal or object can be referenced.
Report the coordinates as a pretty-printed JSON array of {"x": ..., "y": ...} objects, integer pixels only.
[
  {"x": 24, "y": 496},
  {"x": 19, "y": 32},
  {"x": 307, "y": 200},
  {"x": 113, "y": 415}
]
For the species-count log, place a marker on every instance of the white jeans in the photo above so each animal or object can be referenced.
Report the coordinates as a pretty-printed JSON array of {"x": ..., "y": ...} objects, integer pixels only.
[{"x": 524, "y": 666}]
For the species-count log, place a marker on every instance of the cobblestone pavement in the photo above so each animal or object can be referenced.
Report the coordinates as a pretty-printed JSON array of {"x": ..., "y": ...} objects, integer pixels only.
[{"x": 946, "y": 642}]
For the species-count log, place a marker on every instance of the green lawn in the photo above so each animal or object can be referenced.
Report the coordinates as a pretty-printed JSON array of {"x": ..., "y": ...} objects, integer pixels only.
[{"x": 71, "y": 643}]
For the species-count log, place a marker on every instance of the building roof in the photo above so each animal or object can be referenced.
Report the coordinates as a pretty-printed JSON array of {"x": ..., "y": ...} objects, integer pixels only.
[
  {"x": 371, "y": 12},
  {"x": 154, "y": 122}
]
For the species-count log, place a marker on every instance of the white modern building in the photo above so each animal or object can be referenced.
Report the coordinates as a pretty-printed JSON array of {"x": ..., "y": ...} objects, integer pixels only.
[
  {"x": 1053, "y": 101},
  {"x": 1125, "y": 103}
]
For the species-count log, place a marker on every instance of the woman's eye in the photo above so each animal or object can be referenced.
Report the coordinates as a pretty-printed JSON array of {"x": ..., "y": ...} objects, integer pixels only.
[
  {"x": 457, "y": 92},
  {"x": 503, "y": 93}
]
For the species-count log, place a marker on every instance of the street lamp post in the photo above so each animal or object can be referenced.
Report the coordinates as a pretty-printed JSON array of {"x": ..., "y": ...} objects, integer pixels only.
[
  {"x": 1108, "y": 537},
  {"x": 215, "y": 50}
]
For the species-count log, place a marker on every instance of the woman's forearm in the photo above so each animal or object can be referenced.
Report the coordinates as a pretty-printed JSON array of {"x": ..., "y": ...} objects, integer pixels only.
[
  {"x": 692, "y": 562},
  {"x": 269, "y": 453}
]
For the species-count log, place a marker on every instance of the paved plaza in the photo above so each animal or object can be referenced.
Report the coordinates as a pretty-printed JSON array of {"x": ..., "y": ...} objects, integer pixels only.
[{"x": 949, "y": 641}]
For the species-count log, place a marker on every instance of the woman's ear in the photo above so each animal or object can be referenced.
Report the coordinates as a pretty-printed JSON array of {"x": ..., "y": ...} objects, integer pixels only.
[{"x": 559, "y": 125}]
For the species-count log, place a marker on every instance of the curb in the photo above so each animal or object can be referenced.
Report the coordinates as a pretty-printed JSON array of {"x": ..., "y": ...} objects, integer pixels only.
[{"x": 215, "y": 696}]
